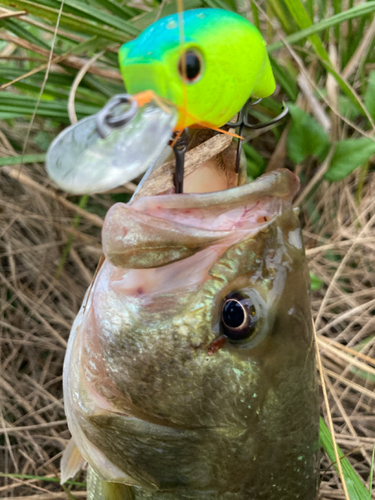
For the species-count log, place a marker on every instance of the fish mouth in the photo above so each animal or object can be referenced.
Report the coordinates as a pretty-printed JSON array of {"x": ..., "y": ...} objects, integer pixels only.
[{"x": 156, "y": 231}]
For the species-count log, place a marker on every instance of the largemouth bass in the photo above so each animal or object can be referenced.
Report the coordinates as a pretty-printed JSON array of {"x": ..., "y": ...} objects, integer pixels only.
[{"x": 190, "y": 370}]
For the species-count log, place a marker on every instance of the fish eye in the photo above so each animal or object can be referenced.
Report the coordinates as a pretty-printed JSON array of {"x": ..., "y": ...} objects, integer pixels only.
[
  {"x": 193, "y": 66},
  {"x": 238, "y": 316}
]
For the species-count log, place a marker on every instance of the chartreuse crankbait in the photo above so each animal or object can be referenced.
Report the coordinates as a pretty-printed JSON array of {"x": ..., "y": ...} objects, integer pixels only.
[
  {"x": 225, "y": 63},
  {"x": 197, "y": 72}
]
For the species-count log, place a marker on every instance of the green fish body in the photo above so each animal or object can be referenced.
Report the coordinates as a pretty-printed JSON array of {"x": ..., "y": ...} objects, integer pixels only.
[
  {"x": 190, "y": 370},
  {"x": 163, "y": 398}
]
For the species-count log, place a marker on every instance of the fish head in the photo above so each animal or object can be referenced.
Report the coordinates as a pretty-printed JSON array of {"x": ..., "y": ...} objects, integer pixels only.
[{"x": 191, "y": 366}]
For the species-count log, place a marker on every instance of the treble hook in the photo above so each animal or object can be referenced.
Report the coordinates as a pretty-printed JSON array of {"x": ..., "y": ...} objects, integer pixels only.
[
  {"x": 242, "y": 122},
  {"x": 179, "y": 150}
]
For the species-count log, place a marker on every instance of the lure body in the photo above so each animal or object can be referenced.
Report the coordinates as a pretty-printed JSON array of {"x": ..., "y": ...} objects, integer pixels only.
[{"x": 234, "y": 64}]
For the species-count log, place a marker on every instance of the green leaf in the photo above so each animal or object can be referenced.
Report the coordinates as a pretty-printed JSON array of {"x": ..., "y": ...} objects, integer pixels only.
[
  {"x": 75, "y": 23},
  {"x": 18, "y": 160},
  {"x": 299, "y": 14},
  {"x": 370, "y": 95},
  {"x": 347, "y": 108},
  {"x": 41, "y": 478},
  {"x": 357, "y": 11},
  {"x": 306, "y": 137},
  {"x": 43, "y": 140},
  {"x": 316, "y": 282},
  {"x": 356, "y": 489},
  {"x": 349, "y": 154}
]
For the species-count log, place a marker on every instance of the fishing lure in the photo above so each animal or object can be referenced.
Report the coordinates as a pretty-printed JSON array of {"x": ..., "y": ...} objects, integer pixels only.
[{"x": 201, "y": 76}]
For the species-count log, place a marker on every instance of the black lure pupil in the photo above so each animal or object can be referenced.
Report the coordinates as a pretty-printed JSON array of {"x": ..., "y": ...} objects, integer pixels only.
[
  {"x": 233, "y": 314},
  {"x": 192, "y": 66}
]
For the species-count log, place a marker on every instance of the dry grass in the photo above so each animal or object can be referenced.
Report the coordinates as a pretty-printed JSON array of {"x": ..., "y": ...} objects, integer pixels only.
[
  {"x": 340, "y": 246},
  {"x": 37, "y": 311}
]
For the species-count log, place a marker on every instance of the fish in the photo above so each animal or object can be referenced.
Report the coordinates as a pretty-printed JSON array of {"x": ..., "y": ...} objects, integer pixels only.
[{"x": 190, "y": 369}]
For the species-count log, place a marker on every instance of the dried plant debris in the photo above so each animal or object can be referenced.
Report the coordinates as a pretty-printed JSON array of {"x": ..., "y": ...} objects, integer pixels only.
[
  {"x": 339, "y": 242},
  {"x": 37, "y": 310}
]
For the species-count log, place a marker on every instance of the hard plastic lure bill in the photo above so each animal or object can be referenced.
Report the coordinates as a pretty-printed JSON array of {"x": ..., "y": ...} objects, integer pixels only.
[{"x": 81, "y": 160}]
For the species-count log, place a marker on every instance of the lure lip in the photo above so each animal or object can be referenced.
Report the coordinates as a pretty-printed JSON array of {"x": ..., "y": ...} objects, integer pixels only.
[{"x": 103, "y": 151}]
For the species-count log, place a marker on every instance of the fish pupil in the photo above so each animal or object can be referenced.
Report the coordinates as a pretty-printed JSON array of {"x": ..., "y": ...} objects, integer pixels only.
[
  {"x": 238, "y": 317},
  {"x": 233, "y": 314},
  {"x": 192, "y": 66}
]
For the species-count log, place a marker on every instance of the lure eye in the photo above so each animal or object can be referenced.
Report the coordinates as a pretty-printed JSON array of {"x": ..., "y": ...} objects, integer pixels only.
[
  {"x": 238, "y": 316},
  {"x": 193, "y": 66}
]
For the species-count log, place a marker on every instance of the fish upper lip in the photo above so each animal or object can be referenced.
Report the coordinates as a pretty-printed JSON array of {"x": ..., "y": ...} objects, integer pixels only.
[{"x": 281, "y": 183}]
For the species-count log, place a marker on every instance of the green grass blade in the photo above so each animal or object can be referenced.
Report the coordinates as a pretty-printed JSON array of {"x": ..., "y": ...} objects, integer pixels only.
[
  {"x": 70, "y": 21},
  {"x": 144, "y": 20},
  {"x": 303, "y": 20},
  {"x": 78, "y": 7},
  {"x": 17, "y": 29},
  {"x": 356, "y": 488},
  {"x": 18, "y": 160},
  {"x": 371, "y": 470},
  {"x": 41, "y": 478},
  {"x": 217, "y": 4},
  {"x": 301, "y": 17},
  {"x": 285, "y": 80},
  {"x": 358, "y": 11},
  {"x": 119, "y": 9},
  {"x": 281, "y": 13},
  {"x": 255, "y": 13},
  {"x": 370, "y": 95},
  {"x": 103, "y": 17}
]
